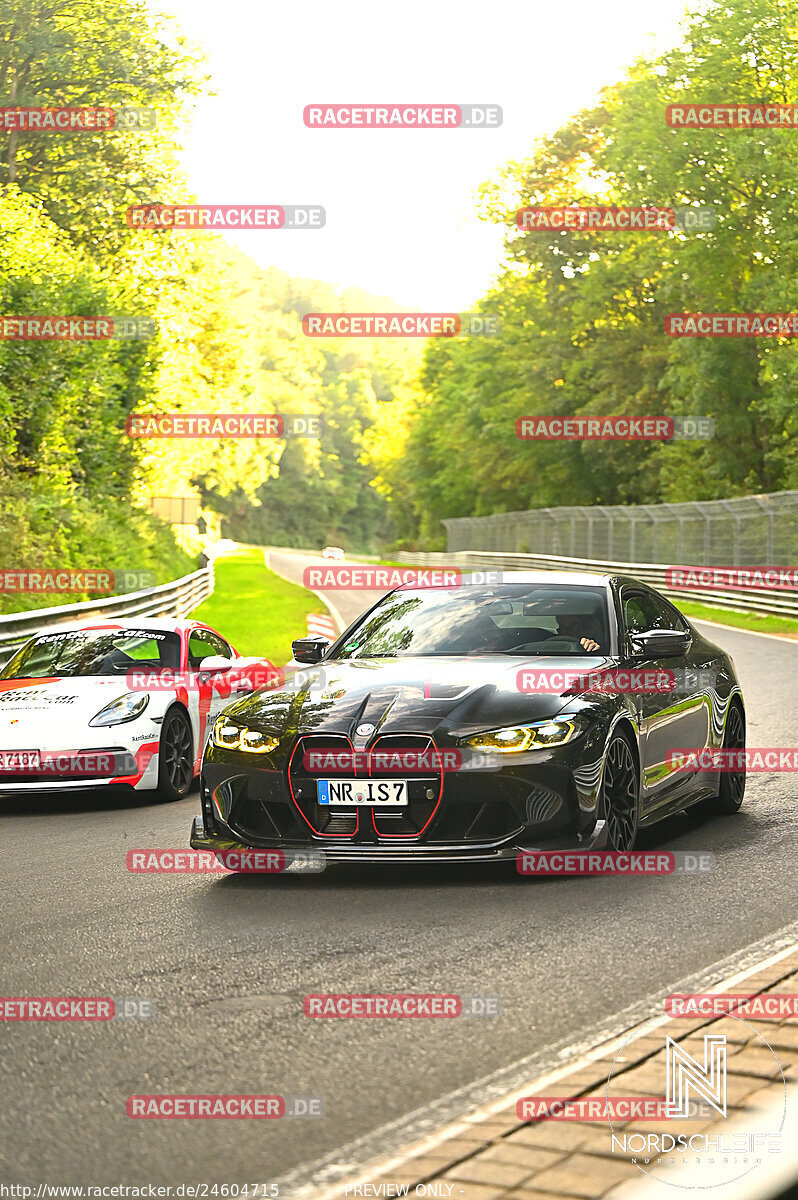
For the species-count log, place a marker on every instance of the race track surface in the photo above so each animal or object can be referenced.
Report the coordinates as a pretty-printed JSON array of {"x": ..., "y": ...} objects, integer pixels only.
[{"x": 228, "y": 960}]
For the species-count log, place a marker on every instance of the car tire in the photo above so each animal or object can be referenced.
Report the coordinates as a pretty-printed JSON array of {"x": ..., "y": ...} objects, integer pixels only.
[
  {"x": 732, "y": 783},
  {"x": 175, "y": 756},
  {"x": 620, "y": 793}
]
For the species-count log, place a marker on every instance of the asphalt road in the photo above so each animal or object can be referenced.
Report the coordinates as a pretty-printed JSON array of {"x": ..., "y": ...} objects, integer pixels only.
[{"x": 227, "y": 962}]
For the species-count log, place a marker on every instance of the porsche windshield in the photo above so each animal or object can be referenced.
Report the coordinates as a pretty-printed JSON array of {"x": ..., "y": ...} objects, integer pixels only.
[
  {"x": 517, "y": 619},
  {"x": 94, "y": 652}
]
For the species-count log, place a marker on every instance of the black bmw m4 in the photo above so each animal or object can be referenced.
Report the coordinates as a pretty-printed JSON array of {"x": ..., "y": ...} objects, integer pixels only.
[{"x": 470, "y": 722}]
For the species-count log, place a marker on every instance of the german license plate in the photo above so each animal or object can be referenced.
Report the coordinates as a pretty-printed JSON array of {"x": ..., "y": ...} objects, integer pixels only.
[
  {"x": 18, "y": 762},
  {"x": 372, "y": 792}
]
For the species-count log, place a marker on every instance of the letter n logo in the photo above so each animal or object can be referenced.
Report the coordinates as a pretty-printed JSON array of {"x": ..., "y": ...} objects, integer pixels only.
[{"x": 683, "y": 1073}]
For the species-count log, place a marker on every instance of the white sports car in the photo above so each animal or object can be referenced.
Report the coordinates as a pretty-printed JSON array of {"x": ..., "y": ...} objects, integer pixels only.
[{"x": 122, "y": 702}]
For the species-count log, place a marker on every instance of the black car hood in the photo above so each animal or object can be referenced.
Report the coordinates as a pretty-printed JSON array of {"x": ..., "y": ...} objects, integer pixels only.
[{"x": 408, "y": 695}]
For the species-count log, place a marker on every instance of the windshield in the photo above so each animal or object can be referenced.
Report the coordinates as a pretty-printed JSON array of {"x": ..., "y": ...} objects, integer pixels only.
[
  {"x": 94, "y": 652},
  {"x": 517, "y": 619}
]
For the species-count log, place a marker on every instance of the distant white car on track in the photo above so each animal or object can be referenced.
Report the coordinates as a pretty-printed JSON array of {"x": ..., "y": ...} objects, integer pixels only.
[
  {"x": 120, "y": 702},
  {"x": 332, "y": 552}
]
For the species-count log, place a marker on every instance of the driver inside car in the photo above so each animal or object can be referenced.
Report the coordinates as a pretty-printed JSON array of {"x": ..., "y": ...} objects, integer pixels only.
[
  {"x": 584, "y": 627},
  {"x": 496, "y": 639},
  {"x": 577, "y": 628},
  {"x": 500, "y": 639}
]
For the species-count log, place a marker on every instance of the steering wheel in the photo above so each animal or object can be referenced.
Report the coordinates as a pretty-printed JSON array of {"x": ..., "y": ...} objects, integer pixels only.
[
  {"x": 559, "y": 643},
  {"x": 485, "y": 638},
  {"x": 117, "y": 662}
]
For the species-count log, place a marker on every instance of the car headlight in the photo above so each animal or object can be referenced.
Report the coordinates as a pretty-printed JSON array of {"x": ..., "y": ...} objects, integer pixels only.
[
  {"x": 523, "y": 737},
  {"x": 238, "y": 737},
  {"x": 126, "y": 708}
]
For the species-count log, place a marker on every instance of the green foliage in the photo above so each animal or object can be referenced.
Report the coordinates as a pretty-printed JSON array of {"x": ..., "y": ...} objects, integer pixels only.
[
  {"x": 64, "y": 53},
  {"x": 583, "y": 312},
  {"x": 318, "y": 490},
  {"x": 73, "y": 490}
]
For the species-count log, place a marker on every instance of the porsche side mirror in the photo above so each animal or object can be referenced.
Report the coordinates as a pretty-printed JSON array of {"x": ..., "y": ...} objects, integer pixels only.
[
  {"x": 661, "y": 643},
  {"x": 310, "y": 649},
  {"x": 215, "y": 663}
]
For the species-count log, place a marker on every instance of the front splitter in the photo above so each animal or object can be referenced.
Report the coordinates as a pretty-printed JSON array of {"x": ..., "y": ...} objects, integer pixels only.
[{"x": 201, "y": 839}]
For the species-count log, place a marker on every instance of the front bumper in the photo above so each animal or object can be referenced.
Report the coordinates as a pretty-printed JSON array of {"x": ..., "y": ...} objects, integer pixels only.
[
  {"x": 202, "y": 839},
  {"x": 81, "y": 784},
  {"x": 546, "y": 799},
  {"x": 97, "y": 767}
]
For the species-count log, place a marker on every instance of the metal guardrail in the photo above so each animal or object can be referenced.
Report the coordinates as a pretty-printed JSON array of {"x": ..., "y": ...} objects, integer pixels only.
[
  {"x": 175, "y": 599},
  {"x": 769, "y": 601}
]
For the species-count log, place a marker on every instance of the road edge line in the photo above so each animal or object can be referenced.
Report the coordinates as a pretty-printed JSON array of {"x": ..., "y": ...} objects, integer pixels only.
[{"x": 378, "y": 1167}]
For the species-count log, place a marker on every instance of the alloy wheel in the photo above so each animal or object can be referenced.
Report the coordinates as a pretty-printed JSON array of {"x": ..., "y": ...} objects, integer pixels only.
[
  {"x": 732, "y": 785},
  {"x": 176, "y": 751},
  {"x": 620, "y": 795}
]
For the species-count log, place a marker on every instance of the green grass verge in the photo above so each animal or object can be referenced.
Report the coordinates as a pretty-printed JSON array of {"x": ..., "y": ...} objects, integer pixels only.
[
  {"x": 726, "y": 616},
  {"x": 258, "y": 611},
  {"x": 386, "y": 562}
]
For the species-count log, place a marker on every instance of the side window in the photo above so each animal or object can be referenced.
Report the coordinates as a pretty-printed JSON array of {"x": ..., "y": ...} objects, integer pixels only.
[
  {"x": 202, "y": 644},
  {"x": 224, "y": 648},
  {"x": 634, "y": 612},
  {"x": 644, "y": 610}
]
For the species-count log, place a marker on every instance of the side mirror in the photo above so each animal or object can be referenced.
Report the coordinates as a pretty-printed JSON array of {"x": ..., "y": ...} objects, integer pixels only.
[
  {"x": 309, "y": 649},
  {"x": 661, "y": 643},
  {"x": 215, "y": 663}
]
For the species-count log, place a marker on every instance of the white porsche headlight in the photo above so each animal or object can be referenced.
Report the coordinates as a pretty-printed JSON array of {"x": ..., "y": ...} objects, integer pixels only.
[
  {"x": 126, "y": 708},
  {"x": 238, "y": 737}
]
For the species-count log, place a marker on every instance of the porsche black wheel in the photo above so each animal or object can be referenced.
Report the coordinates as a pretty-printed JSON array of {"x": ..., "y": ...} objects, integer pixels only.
[
  {"x": 732, "y": 783},
  {"x": 175, "y": 756},
  {"x": 620, "y": 794}
]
